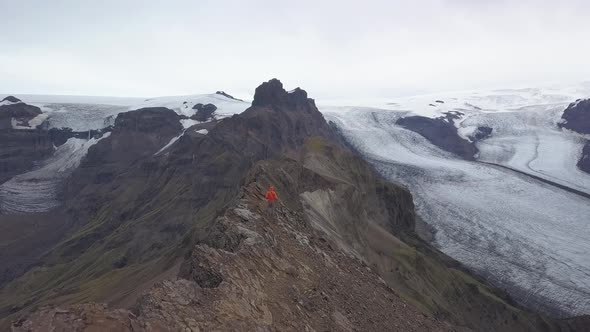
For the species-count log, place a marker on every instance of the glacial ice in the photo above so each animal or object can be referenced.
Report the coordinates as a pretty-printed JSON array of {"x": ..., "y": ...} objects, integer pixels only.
[{"x": 522, "y": 234}]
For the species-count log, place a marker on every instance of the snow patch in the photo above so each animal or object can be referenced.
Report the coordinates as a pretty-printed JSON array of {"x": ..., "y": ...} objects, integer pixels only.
[
  {"x": 187, "y": 123},
  {"x": 467, "y": 132},
  {"x": 202, "y": 131},
  {"x": 172, "y": 141}
]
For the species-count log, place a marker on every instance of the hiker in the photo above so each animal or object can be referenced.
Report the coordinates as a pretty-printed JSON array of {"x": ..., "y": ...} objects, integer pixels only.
[{"x": 271, "y": 198}]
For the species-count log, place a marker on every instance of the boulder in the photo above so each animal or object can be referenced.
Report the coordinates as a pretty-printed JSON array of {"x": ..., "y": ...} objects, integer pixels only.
[{"x": 204, "y": 112}]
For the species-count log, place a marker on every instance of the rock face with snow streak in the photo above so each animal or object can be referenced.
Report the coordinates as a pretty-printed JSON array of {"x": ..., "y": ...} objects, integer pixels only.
[
  {"x": 18, "y": 113},
  {"x": 136, "y": 135},
  {"x": 20, "y": 149}
]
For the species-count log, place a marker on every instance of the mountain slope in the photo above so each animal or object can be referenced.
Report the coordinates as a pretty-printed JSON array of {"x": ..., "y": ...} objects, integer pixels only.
[{"x": 181, "y": 236}]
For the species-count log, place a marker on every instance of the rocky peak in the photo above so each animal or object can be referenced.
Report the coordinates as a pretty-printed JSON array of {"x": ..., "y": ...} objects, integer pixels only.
[
  {"x": 11, "y": 99},
  {"x": 273, "y": 94}
]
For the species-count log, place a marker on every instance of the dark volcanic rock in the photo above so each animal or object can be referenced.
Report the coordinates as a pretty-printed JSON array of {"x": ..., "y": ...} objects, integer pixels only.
[
  {"x": 59, "y": 136},
  {"x": 227, "y": 95},
  {"x": 20, "y": 111},
  {"x": 577, "y": 117},
  {"x": 11, "y": 99},
  {"x": 481, "y": 133},
  {"x": 584, "y": 162},
  {"x": 441, "y": 133},
  {"x": 148, "y": 120},
  {"x": 204, "y": 112},
  {"x": 20, "y": 149}
]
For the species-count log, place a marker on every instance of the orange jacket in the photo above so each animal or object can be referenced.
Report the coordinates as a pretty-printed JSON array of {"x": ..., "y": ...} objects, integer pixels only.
[{"x": 271, "y": 195}]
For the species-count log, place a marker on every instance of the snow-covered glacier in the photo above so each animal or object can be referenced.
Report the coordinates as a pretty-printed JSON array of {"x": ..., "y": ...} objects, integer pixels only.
[
  {"x": 523, "y": 234},
  {"x": 37, "y": 190}
]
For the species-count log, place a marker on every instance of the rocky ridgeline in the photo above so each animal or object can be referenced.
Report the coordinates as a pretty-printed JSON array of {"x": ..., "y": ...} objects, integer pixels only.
[{"x": 255, "y": 271}]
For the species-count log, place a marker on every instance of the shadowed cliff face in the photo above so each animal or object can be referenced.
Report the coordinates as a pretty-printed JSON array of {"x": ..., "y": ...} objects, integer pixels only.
[{"x": 20, "y": 149}]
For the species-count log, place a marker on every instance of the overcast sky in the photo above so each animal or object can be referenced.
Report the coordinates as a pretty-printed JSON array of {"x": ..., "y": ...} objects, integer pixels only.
[{"x": 330, "y": 48}]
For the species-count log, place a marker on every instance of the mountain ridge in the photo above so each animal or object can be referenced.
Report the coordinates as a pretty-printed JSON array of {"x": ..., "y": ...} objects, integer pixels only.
[{"x": 200, "y": 203}]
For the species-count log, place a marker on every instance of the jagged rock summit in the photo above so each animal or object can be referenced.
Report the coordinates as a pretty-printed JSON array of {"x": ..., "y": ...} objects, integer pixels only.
[{"x": 272, "y": 93}]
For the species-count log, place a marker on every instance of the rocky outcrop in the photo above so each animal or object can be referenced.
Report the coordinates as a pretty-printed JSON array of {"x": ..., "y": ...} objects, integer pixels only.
[
  {"x": 227, "y": 95},
  {"x": 440, "y": 132},
  {"x": 481, "y": 133},
  {"x": 204, "y": 112},
  {"x": 17, "y": 112},
  {"x": 576, "y": 117}
]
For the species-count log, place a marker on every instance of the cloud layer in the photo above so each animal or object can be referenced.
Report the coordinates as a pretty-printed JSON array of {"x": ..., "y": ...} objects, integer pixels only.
[{"x": 332, "y": 48}]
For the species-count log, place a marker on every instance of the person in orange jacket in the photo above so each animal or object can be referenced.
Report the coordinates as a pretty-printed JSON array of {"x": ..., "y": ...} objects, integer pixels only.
[{"x": 271, "y": 198}]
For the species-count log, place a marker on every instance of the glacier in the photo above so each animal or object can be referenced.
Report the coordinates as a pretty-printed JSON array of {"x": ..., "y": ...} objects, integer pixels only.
[
  {"x": 522, "y": 234},
  {"x": 37, "y": 190}
]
